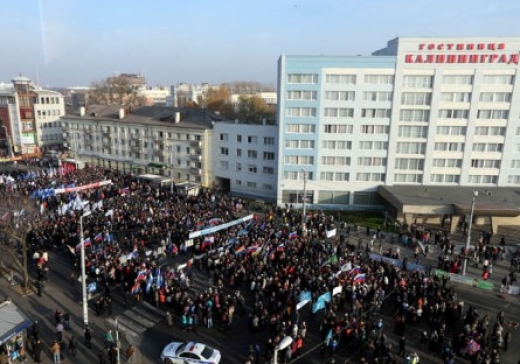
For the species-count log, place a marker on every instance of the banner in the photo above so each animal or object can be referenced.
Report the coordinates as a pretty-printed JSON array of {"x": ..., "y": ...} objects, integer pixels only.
[
  {"x": 211, "y": 230},
  {"x": 84, "y": 187},
  {"x": 318, "y": 305},
  {"x": 326, "y": 297},
  {"x": 305, "y": 296},
  {"x": 337, "y": 290}
]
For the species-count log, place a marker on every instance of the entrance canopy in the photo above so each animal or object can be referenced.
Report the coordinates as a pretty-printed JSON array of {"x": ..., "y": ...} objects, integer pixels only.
[{"x": 12, "y": 321}]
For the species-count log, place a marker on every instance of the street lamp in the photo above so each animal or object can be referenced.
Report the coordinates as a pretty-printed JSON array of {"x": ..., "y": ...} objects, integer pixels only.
[
  {"x": 468, "y": 237},
  {"x": 83, "y": 273},
  {"x": 284, "y": 343},
  {"x": 304, "y": 212}
]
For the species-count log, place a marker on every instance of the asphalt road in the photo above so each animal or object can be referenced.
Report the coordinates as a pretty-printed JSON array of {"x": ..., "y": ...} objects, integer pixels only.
[{"x": 145, "y": 326}]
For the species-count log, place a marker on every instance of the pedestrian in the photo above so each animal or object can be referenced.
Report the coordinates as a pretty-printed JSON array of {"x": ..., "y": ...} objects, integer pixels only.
[
  {"x": 39, "y": 287},
  {"x": 72, "y": 345},
  {"x": 23, "y": 353},
  {"x": 66, "y": 321},
  {"x": 38, "y": 347},
  {"x": 112, "y": 354},
  {"x": 109, "y": 339},
  {"x": 402, "y": 346},
  {"x": 129, "y": 352},
  {"x": 169, "y": 318},
  {"x": 59, "y": 332},
  {"x": 88, "y": 338},
  {"x": 56, "y": 352}
]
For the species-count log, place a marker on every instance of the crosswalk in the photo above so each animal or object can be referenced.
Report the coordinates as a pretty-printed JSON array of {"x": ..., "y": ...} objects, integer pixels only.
[{"x": 133, "y": 322}]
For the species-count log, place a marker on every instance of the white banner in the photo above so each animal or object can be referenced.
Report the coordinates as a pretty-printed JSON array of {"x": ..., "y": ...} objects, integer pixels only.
[
  {"x": 81, "y": 188},
  {"x": 331, "y": 233},
  {"x": 211, "y": 230},
  {"x": 337, "y": 290}
]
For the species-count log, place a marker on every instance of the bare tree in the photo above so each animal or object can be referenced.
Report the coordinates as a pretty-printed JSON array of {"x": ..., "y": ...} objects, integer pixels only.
[
  {"x": 17, "y": 217},
  {"x": 115, "y": 90}
]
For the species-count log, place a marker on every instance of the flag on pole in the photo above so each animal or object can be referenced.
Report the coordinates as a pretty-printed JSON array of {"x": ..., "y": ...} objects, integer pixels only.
[
  {"x": 361, "y": 277},
  {"x": 98, "y": 237}
]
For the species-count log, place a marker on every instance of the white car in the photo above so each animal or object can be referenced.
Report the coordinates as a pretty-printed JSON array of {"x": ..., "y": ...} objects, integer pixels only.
[{"x": 189, "y": 353}]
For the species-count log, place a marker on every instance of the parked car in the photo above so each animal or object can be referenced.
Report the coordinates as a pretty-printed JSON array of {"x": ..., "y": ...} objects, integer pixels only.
[{"x": 189, "y": 352}]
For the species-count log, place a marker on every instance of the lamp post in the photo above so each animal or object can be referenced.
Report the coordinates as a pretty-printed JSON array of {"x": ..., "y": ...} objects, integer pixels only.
[
  {"x": 468, "y": 237},
  {"x": 284, "y": 343},
  {"x": 304, "y": 212},
  {"x": 213, "y": 202},
  {"x": 83, "y": 273}
]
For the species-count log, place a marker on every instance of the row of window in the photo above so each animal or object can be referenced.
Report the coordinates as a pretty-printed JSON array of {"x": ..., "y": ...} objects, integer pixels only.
[
  {"x": 251, "y": 184},
  {"x": 305, "y": 95},
  {"x": 335, "y": 176},
  {"x": 250, "y": 139},
  {"x": 251, "y": 154}
]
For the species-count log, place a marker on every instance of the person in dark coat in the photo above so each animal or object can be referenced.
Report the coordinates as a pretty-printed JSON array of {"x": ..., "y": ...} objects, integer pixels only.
[
  {"x": 38, "y": 346},
  {"x": 88, "y": 338},
  {"x": 72, "y": 345}
]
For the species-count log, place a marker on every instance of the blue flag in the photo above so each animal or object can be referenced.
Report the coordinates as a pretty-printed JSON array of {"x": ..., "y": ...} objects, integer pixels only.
[{"x": 318, "y": 305}]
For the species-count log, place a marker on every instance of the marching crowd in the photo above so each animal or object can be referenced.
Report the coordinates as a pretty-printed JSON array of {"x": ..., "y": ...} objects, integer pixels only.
[{"x": 271, "y": 271}]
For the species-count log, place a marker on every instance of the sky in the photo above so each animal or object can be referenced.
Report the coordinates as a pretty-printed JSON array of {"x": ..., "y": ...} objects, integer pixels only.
[{"x": 76, "y": 42}]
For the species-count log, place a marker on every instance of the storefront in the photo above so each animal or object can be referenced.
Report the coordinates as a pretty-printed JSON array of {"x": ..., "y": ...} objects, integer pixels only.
[{"x": 13, "y": 322}]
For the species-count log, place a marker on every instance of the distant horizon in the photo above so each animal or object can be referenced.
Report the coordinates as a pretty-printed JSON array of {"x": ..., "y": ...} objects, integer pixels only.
[{"x": 73, "y": 43}]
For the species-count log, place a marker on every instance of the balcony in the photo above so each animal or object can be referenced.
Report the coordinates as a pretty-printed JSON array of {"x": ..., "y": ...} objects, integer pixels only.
[
  {"x": 135, "y": 148},
  {"x": 88, "y": 131},
  {"x": 134, "y": 136},
  {"x": 158, "y": 153},
  {"x": 196, "y": 157},
  {"x": 106, "y": 132},
  {"x": 195, "y": 143},
  {"x": 89, "y": 141},
  {"x": 196, "y": 171}
]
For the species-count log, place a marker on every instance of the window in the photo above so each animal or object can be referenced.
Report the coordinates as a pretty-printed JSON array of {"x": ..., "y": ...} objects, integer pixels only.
[
  {"x": 302, "y": 78},
  {"x": 482, "y": 179},
  {"x": 458, "y": 79},
  {"x": 268, "y": 156},
  {"x": 338, "y": 129},
  {"x": 498, "y": 79},
  {"x": 371, "y": 161},
  {"x": 495, "y": 97},
  {"x": 340, "y": 95},
  {"x": 487, "y": 147},
  {"x": 268, "y": 170},
  {"x": 485, "y": 163},
  {"x": 300, "y": 112},
  {"x": 251, "y": 168},
  {"x": 374, "y": 129},
  {"x": 239, "y": 138},
  {"x": 335, "y": 161},
  {"x": 224, "y": 137},
  {"x": 413, "y": 131},
  {"x": 337, "y": 144},
  {"x": 515, "y": 163},
  {"x": 453, "y": 114},
  {"x": 252, "y": 154},
  {"x": 334, "y": 176},
  {"x": 377, "y": 96},
  {"x": 299, "y": 144},
  {"x": 224, "y": 165},
  {"x": 411, "y": 148},
  {"x": 370, "y": 177},
  {"x": 224, "y": 151},
  {"x": 416, "y": 98},
  {"x": 456, "y": 96},
  {"x": 251, "y": 139},
  {"x": 379, "y": 79},
  {"x": 239, "y": 152},
  {"x": 449, "y": 147},
  {"x": 373, "y": 145},
  {"x": 408, "y": 178},
  {"x": 451, "y": 130},
  {"x": 418, "y": 81},
  {"x": 268, "y": 140},
  {"x": 514, "y": 179},
  {"x": 238, "y": 182},
  {"x": 447, "y": 163},
  {"x": 302, "y": 95},
  {"x": 238, "y": 167},
  {"x": 414, "y": 115},
  {"x": 300, "y": 128},
  {"x": 444, "y": 178},
  {"x": 267, "y": 186},
  {"x": 297, "y": 176},
  {"x": 375, "y": 113},
  {"x": 493, "y": 114},
  {"x": 340, "y": 79},
  {"x": 490, "y": 130},
  {"x": 299, "y": 160},
  {"x": 251, "y": 184},
  {"x": 409, "y": 163},
  {"x": 334, "y": 112}
]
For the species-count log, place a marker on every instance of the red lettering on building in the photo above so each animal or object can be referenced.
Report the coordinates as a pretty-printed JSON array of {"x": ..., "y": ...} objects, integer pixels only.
[
  {"x": 452, "y": 58},
  {"x": 431, "y": 46},
  {"x": 470, "y": 46},
  {"x": 409, "y": 58},
  {"x": 440, "y": 46},
  {"x": 483, "y": 58},
  {"x": 421, "y": 46},
  {"x": 463, "y": 58},
  {"x": 450, "y": 46},
  {"x": 492, "y": 46},
  {"x": 514, "y": 58},
  {"x": 460, "y": 46},
  {"x": 430, "y": 58},
  {"x": 419, "y": 59},
  {"x": 493, "y": 58},
  {"x": 481, "y": 46},
  {"x": 503, "y": 59},
  {"x": 501, "y": 46},
  {"x": 441, "y": 58}
]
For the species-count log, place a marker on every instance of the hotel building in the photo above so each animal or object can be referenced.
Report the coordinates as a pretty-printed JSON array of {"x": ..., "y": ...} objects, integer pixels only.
[{"x": 421, "y": 111}]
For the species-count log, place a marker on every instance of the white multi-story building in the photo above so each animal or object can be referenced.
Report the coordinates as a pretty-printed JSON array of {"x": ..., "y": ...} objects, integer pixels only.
[
  {"x": 245, "y": 158},
  {"x": 154, "y": 95},
  {"x": 49, "y": 106},
  {"x": 183, "y": 94},
  {"x": 422, "y": 111}
]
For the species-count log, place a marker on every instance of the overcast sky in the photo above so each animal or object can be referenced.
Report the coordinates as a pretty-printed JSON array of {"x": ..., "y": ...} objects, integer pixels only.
[{"x": 75, "y": 42}]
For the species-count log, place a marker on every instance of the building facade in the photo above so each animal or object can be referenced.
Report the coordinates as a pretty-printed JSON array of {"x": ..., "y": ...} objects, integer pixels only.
[
  {"x": 421, "y": 111},
  {"x": 150, "y": 139},
  {"x": 245, "y": 158}
]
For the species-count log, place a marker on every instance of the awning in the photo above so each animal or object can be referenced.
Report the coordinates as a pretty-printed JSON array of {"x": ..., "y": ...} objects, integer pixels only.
[
  {"x": 157, "y": 165},
  {"x": 12, "y": 321}
]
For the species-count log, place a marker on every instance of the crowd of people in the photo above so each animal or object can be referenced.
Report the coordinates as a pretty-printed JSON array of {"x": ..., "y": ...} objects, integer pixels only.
[{"x": 262, "y": 270}]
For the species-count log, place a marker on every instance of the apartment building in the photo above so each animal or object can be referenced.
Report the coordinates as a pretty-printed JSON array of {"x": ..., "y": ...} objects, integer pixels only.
[
  {"x": 150, "y": 139},
  {"x": 245, "y": 158},
  {"x": 421, "y": 111},
  {"x": 30, "y": 116}
]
